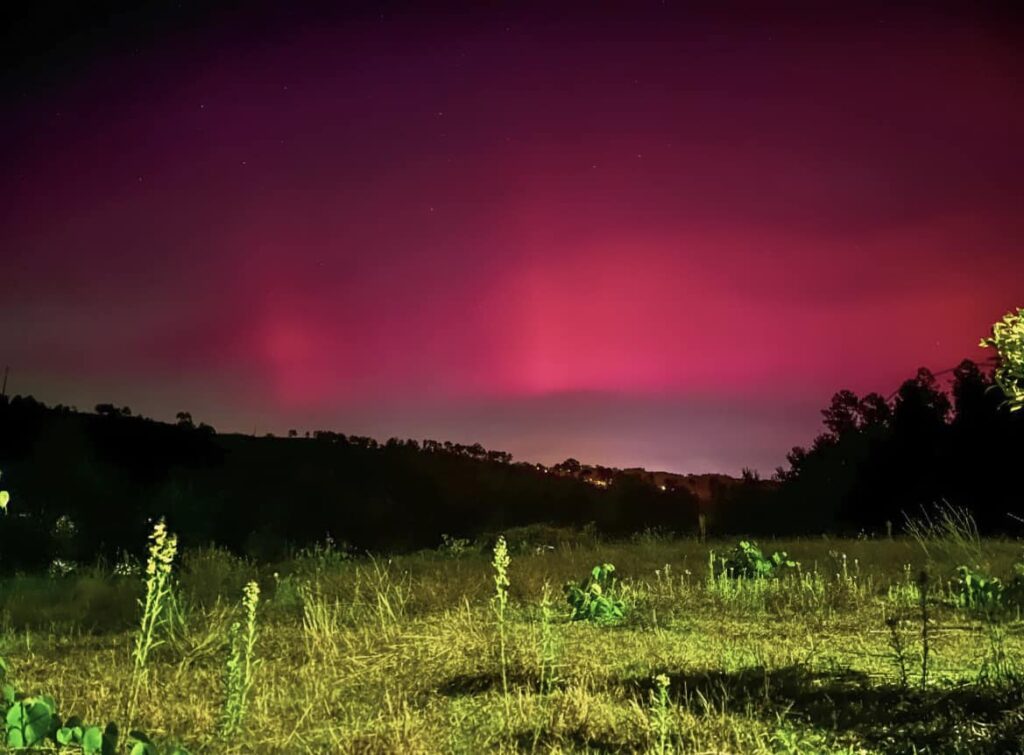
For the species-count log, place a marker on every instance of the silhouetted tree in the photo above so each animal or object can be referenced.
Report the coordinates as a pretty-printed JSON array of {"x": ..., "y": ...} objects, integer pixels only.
[{"x": 569, "y": 467}]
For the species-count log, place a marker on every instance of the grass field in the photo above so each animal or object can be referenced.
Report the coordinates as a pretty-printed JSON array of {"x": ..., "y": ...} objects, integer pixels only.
[{"x": 403, "y": 655}]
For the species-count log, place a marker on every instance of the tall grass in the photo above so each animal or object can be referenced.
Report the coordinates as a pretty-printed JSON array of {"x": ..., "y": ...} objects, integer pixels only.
[{"x": 948, "y": 535}]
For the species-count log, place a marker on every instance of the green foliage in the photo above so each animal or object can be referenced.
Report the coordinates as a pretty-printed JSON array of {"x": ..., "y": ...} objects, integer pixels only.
[
  {"x": 596, "y": 598},
  {"x": 241, "y": 665},
  {"x": 976, "y": 591},
  {"x": 661, "y": 720},
  {"x": 1008, "y": 340},
  {"x": 736, "y": 665},
  {"x": 747, "y": 560},
  {"x": 5, "y": 498},
  {"x": 162, "y": 548},
  {"x": 947, "y": 534},
  {"x": 30, "y": 721},
  {"x": 322, "y": 557},
  {"x": 34, "y": 723},
  {"x": 499, "y": 603},
  {"x": 549, "y": 646},
  {"x": 453, "y": 546}
]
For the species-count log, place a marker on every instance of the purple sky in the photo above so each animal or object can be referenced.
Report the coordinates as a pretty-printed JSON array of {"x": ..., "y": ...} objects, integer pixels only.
[{"x": 646, "y": 236}]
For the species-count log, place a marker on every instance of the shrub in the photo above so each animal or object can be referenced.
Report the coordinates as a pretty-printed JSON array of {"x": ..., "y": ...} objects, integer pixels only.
[
  {"x": 453, "y": 546},
  {"x": 979, "y": 592},
  {"x": 1008, "y": 339},
  {"x": 323, "y": 557},
  {"x": 747, "y": 560},
  {"x": 596, "y": 598},
  {"x": 210, "y": 573}
]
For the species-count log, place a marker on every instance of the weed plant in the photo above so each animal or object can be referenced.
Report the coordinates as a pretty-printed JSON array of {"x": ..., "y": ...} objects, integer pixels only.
[
  {"x": 162, "y": 548},
  {"x": 241, "y": 665},
  {"x": 500, "y": 604}
]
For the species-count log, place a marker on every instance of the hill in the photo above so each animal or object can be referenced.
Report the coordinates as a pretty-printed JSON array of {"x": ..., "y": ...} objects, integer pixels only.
[{"x": 99, "y": 478}]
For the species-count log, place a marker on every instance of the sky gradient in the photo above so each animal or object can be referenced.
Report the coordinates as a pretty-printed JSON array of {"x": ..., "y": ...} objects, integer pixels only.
[{"x": 640, "y": 235}]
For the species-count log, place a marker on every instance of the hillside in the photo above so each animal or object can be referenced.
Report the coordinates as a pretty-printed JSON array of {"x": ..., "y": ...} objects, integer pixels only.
[{"x": 110, "y": 473}]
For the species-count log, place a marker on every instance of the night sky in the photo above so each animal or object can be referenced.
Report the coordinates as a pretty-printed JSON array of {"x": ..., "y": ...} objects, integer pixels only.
[{"x": 642, "y": 234}]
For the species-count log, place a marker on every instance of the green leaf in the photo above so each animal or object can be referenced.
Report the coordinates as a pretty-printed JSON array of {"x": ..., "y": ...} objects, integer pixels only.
[
  {"x": 30, "y": 722},
  {"x": 92, "y": 741}
]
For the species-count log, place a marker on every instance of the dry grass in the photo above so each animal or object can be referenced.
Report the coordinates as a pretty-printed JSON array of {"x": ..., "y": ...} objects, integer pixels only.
[{"x": 400, "y": 655}]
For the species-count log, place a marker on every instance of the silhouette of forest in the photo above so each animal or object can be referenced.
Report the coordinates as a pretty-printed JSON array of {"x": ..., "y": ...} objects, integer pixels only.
[{"x": 112, "y": 473}]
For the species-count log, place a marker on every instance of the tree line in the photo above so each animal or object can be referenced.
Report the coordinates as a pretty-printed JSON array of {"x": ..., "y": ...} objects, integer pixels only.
[
  {"x": 880, "y": 459},
  {"x": 111, "y": 473}
]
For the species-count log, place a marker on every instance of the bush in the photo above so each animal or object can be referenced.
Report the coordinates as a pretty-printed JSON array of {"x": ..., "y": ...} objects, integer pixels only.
[
  {"x": 210, "y": 573},
  {"x": 596, "y": 598},
  {"x": 981, "y": 593},
  {"x": 747, "y": 560},
  {"x": 1008, "y": 339}
]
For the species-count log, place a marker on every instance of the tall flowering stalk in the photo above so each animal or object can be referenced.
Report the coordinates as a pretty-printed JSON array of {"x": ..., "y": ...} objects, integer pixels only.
[
  {"x": 660, "y": 716},
  {"x": 241, "y": 664},
  {"x": 499, "y": 603},
  {"x": 162, "y": 548}
]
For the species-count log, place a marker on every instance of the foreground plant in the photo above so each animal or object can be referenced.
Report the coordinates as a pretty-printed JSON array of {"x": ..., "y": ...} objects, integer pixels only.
[
  {"x": 162, "y": 548},
  {"x": 5, "y": 498},
  {"x": 548, "y": 650},
  {"x": 1008, "y": 340},
  {"x": 596, "y": 597},
  {"x": 660, "y": 718},
  {"x": 747, "y": 560},
  {"x": 33, "y": 722},
  {"x": 499, "y": 603},
  {"x": 241, "y": 664}
]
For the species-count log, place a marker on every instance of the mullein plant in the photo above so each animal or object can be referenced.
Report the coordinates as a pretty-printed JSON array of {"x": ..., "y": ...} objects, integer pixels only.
[
  {"x": 162, "y": 548},
  {"x": 500, "y": 603},
  {"x": 660, "y": 714},
  {"x": 241, "y": 665},
  {"x": 548, "y": 643}
]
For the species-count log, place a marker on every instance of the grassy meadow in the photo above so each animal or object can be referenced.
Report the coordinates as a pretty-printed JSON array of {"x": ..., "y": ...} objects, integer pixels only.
[{"x": 864, "y": 646}]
